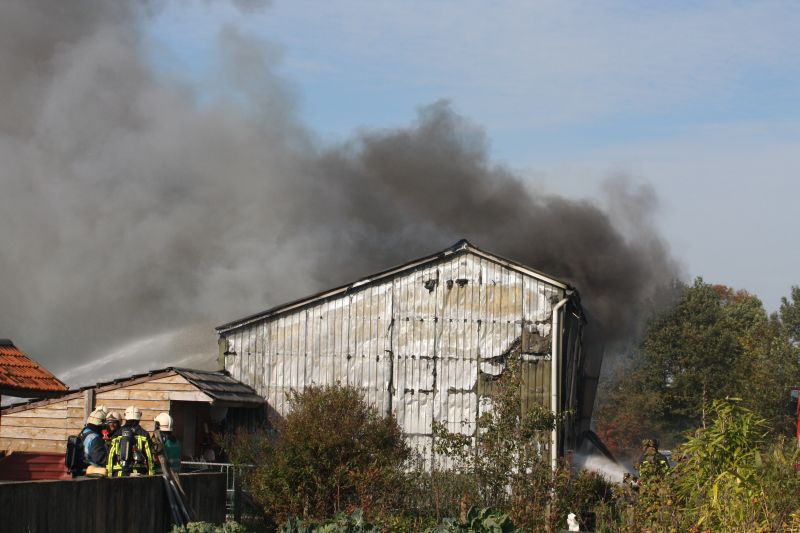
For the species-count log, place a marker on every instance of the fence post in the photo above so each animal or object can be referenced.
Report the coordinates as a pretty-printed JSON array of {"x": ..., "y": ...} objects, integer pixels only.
[{"x": 237, "y": 496}]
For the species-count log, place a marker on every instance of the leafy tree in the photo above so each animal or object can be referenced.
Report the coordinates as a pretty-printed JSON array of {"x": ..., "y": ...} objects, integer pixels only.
[
  {"x": 790, "y": 314},
  {"x": 714, "y": 343}
]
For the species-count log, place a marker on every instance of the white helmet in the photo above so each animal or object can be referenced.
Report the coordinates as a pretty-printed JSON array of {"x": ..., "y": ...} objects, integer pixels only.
[
  {"x": 133, "y": 413},
  {"x": 96, "y": 417},
  {"x": 113, "y": 416},
  {"x": 164, "y": 422}
]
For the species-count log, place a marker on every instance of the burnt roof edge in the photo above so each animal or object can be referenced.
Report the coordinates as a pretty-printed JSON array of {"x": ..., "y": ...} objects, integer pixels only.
[{"x": 462, "y": 246}]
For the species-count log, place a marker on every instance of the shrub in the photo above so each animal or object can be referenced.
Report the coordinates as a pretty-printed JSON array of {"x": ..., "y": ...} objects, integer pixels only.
[
  {"x": 477, "y": 520},
  {"x": 205, "y": 527},
  {"x": 342, "y": 523},
  {"x": 732, "y": 475},
  {"x": 333, "y": 452},
  {"x": 510, "y": 469}
]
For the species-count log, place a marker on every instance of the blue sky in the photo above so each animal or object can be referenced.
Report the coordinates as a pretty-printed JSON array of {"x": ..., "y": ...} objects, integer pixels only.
[{"x": 699, "y": 99}]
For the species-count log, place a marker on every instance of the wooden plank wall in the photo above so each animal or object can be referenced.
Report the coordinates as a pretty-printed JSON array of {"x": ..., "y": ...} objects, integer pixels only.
[
  {"x": 42, "y": 429},
  {"x": 45, "y": 428}
]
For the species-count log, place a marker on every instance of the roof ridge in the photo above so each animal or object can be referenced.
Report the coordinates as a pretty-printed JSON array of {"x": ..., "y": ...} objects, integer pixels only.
[{"x": 460, "y": 246}]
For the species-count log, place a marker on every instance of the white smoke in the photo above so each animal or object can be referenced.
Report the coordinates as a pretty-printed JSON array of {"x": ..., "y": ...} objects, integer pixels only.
[
  {"x": 599, "y": 464},
  {"x": 191, "y": 347}
]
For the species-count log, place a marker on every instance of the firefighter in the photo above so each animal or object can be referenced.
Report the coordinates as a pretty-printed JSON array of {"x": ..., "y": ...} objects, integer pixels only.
[
  {"x": 131, "y": 451},
  {"x": 651, "y": 459},
  {"x": 172, "y": 446},
  {"x": 95, "y": 453},
  {"x": 112, "y": 425}
]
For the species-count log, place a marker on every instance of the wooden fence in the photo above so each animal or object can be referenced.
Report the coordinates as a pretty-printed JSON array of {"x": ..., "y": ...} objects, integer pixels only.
[{"x": 100, "y": 505}]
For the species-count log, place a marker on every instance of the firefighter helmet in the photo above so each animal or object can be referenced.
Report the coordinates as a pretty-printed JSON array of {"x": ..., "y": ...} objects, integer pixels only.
[
  {"x": 133, "y": 413},
  {"x": 96, "y": 417},
  {"x": 164, "y": 422}
]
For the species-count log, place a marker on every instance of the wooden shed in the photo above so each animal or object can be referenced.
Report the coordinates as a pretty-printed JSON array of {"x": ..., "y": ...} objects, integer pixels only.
[{"x": 199, "y": 401}]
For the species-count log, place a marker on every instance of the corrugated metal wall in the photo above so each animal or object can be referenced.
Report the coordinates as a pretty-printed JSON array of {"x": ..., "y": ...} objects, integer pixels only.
[{"x": 423, "y": 345}]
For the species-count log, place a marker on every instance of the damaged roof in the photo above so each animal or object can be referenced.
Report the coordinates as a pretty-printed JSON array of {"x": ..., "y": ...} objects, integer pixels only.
[
  {"x": 461, "y": 247},
  {"x": 22, "y": 376}
]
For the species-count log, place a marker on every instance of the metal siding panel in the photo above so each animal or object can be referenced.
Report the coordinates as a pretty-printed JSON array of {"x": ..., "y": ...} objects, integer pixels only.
[
  {"x": 289, "y": 352},
  {"x": 236, "y": 361},
  {"x": 459, "y": 407},
  {"x": 311, "y": 354},
  {"x": 365, "y": 361},
  {"x": 298, "y": 349},
  {"x": 328, "y": 338},
  {"x": 343, "y": 366},
  {"x": 252, "y": 350},
  {"x": 343, "y": 343},
  {"x": 453, "y": 347},
  {"x": 272, "y": 372},
  {"x": 284, "y": 383}
]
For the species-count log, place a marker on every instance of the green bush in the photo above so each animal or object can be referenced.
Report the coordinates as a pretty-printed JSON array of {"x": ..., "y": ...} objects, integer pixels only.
[
  {"x": 341, "y": 523},
  {"x": 510, "y": 469},
  {"x": 732, "y": 475},
  {"x": 486, "y": 520},
  {"x": 477, "y": 520},
  {"x": 333, "y": 452},
  {"x": 205, "y": 527}
]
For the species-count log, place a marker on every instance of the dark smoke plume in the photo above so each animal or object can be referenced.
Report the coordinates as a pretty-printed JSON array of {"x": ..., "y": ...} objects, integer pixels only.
[{"x": 132, "y": 203}]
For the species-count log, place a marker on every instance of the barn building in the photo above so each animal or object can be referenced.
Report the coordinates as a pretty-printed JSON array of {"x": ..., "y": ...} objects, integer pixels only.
[{"x": 425, "y": 340}]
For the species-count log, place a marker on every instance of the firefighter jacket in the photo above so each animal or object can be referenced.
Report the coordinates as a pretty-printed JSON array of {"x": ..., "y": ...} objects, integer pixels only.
[
  {"x": 652, "y": 462},
  {"x": 131, "y": 452},
  {"x": 172, "y": 451},
  {"x": 94, "y": 449}
]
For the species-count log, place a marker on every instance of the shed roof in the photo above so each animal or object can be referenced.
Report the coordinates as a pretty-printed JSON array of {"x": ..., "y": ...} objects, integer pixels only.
[
  {"x": 219, "y": 386},
  {"x": 22, "y": 376},
  {"x": 461, "y": 247}
]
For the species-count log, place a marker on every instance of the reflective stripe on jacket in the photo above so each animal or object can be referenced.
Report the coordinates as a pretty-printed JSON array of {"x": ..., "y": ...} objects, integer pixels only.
[{"x": 114, "y": 467}]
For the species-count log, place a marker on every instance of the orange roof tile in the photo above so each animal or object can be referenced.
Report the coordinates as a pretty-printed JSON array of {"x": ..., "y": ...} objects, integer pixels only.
[{"x": 19, "y": 373}]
